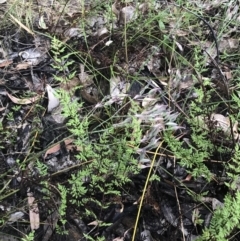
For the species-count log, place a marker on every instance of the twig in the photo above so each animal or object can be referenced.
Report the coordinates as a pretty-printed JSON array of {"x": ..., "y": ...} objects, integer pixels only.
[{"x": 180, "y": 212}]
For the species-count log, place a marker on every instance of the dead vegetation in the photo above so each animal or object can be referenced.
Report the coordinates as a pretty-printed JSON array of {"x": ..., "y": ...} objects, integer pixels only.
[{"x": 119, "y": 120}]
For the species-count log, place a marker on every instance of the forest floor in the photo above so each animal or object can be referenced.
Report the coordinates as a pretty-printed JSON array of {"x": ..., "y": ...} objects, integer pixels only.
[{"x": 119, "y": 120}]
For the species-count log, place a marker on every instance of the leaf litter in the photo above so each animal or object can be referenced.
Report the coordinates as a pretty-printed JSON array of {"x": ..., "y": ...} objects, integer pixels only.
[{"x": 110, "y": 72}]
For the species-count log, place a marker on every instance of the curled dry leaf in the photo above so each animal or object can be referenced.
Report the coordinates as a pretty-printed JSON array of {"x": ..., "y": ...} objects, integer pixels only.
[
  {"x": 25, "y": 101},
  {"x": 53, "y": 101},
  {"x": 33, "y": 56},
  {"x": 41, "y": 23}
]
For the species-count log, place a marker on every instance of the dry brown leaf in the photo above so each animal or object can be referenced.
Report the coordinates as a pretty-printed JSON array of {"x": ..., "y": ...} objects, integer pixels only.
[
  {"x": 5, "y": 63},
  {"x": 33, "y": 212},
  {"x": 57, "y": 147},
  {"x": 94, "y": 223},
  {"x": 228, "y": 74},
  {"x": 24, "y": 101},
  {"x": 187, "y": 178},
  {"x": 24, "y": 65}
]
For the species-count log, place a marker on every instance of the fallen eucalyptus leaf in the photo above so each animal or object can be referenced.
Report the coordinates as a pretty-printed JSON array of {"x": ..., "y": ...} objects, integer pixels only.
[
  {"x": 33, "y": 212},
  {"x": 57, "y": 147},
  {"x": 5, "y": 63},
  {"x": 24, "y": 101},
  {"x": 24, "y": 65}
]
